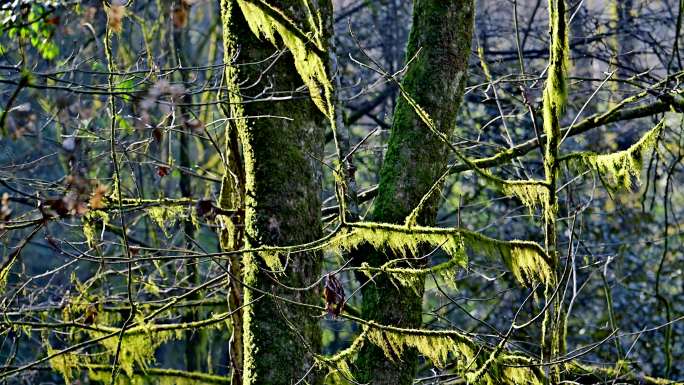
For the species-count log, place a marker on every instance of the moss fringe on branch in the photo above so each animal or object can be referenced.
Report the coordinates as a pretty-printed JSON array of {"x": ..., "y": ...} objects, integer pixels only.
[
  {"x": 526, "y": 260},
  {"x": 137, "y": 348},
  {"x": 621, "y": 167},
  {"x": 444, "y": 348},
  {"x": 155, "y": 376},
  {"x": 532, "y": 193},
  {"x": 306, "y": 48}
]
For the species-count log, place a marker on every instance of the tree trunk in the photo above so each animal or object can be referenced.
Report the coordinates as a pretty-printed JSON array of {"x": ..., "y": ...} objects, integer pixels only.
[
  {"x": 440, "y": 41},
  {"x": 196, "y": 341},
  {"x": 281, "y": 149}
]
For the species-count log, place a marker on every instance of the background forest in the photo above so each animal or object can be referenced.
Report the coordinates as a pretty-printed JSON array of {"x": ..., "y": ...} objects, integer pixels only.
[{"x": 348, "y": 191}]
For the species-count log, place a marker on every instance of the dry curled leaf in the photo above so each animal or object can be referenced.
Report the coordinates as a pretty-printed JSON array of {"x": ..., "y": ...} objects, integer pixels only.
[
  {"x": 54, "y": 207},
  {"x": 333, "y": 293},
  {"x": 97, "y": 199},
  {"x": 115, "y": 15},
  {"x": 180, "y": 15},
  {"x": 157, "y": 134},
  {"x": 162, "y": 171},
  {"x": 90, "y": 314},
  {"x": 52, "y": 20},
  {"x": 5, "y": 210}
]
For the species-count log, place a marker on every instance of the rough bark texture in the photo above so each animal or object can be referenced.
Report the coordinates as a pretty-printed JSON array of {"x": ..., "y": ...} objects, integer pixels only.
[
  {"x": 440, "y": 40},
  {"x": 282, "y": 202}
]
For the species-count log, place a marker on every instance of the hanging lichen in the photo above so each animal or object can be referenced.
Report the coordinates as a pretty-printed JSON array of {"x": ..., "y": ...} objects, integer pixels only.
[
  {"x": 272, "y": 258},
  {"x": 526, "y": 260},
  {"x": 155, "y": 376},
  {"x": 400, "y": 240},
  {"x": 137, "y": 352},
  {"x": 620, "y": 168},
  {"x": 69, "y": 365},
  {"x": 306, "y": 48},
  {"x": 5, "y": 270},
  {"x": 338, "y": 366},
  {"x": 478, "y": 363},
  {"x": 435, "y": 346},
  {"x": 166, "y": 216},
  {"x": 90, "y": 228},
  {"x": 444, "y": 348},
  {"x": 532, "y": 194},
  {"x": 414, "y": 277},
  {"x": 137, "y": 347}
]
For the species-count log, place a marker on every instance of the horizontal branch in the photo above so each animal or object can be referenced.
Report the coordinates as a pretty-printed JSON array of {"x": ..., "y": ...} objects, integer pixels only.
[{"x": 666, "y": 103}]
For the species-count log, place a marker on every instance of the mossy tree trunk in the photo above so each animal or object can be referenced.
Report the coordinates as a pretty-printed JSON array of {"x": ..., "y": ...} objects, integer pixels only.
[
  {"x": 281, "y": 141},
  {"x": 440, "y": 41},
  {"x": 554, "y": 102}
]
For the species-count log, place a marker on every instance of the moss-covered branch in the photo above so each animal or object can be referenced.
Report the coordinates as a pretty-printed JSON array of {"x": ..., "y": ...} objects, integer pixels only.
[
  {"x": 616, "y": 113},
  {"x": 526, "y": 260},
  {"x": 619, "y": 168},
  {"x": 469, "y": 358},
  {"x": 157, "y": 376}
]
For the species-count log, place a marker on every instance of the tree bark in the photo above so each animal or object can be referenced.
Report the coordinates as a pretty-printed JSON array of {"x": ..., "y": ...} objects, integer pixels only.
[
  {"x": 438, "y": 51},
  {"x": 282, "y": 142}
]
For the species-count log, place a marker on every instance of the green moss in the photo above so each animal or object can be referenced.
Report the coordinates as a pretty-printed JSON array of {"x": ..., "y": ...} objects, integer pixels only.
[
  {"x": 137, "y": 347},
  {"x": 526, "y": 260},
  {"x": 554, "y": 103},
  {"x": 400, "y": 240},
  {"x": 339, "y": 365},
  {"x": 556, "y": 90},
  {"x": 278, "y": 210},
  {"x": 468, "y": 357},
  {"x": 267, "y": 21},
  {"x": 166, "y": 216},
  {"x": 619, "y": 168},
  {"x": 423, "y": 119},
  {"x": 229, "y": 191},
  {"x": 475, "y": 361},
  {"x": 155, "y": 376},
  {"x": 272, "y": 258},
  {"x": 68, "y": 365},
  {"x": 90, "y": 220},
  {"x": 5, "y": 270},
  {"x": 621, "y": 370},
  {"x": 531, "y": 193},
  {"x": 435, "y": 346},
  {"x": 137, "y": 353}
]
